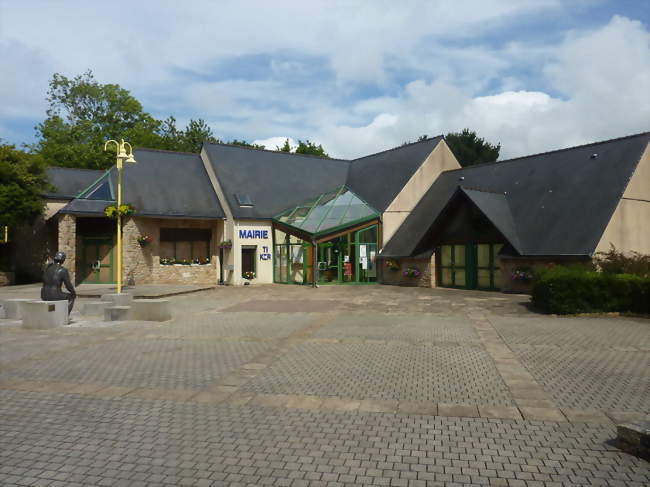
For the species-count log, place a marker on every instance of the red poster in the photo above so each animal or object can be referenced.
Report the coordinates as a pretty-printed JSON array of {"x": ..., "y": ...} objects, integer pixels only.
[{"x": 347, "y": 268}]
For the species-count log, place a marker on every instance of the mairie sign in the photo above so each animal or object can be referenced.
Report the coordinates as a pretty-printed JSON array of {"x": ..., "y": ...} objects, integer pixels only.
[{"x": 253, "y": 234}]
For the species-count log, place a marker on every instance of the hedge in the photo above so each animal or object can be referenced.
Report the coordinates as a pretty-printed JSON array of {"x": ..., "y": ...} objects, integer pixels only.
[{"x": 567, "y": 290}]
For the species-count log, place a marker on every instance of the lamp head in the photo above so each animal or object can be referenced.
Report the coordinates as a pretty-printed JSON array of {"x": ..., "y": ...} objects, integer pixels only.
[{"x": 131, "y": 158}]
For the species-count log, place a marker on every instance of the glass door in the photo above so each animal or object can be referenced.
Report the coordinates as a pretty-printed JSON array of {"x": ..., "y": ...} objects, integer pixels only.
[{"x": 366, "y": 254}]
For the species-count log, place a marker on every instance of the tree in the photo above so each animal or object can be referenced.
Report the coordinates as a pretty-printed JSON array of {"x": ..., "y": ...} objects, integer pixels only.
[
  {"x": 470, "y": 149},
  {"x": 22, "y": 181},
  {"x": 285, "y": 148},
  {"x": 83, "y": 114},
  {"x": 243, "y": 143},
  {"x": 310, "y": 148}
]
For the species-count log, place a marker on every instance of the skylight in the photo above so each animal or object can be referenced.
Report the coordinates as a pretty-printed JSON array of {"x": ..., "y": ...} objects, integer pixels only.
[{"x": 244, "y": 200}]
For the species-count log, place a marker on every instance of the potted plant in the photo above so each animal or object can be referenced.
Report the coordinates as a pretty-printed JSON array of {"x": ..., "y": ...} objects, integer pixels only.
[
  {"x": 201, "y": 260},
  {"x": 144, "y": 240},
  {"x": 522, "y": 274},
  {"x": 412, "y": 272},
  {"x": 249, "y": 276},
  {"x": 113, "y": 211},
  {"x": 392, "y": 265},
  {"x": 167, "y": 261},
  {"x": 225, "y": 244}
]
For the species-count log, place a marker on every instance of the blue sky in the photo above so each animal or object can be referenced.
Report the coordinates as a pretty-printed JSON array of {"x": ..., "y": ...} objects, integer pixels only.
[{"x": 356, "y": 76}]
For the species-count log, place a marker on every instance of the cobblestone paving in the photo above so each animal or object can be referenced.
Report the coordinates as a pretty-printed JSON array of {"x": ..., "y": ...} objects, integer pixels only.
[
  {"x": 574, "y": 333},
  {"x": 383, "y": 387},
  {"x": 602, "y": 379},
  {"x": 55, "y": 439},
  {"x": 415, "y": 328},
  {"x": 393, "y": 371},
  {"x": 171, "y": 364}
]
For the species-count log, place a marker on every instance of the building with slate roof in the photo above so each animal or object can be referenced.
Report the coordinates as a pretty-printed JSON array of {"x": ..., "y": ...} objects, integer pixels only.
[
  {"x": 475, "y": 226},
  {"x": 408, "y": 215}
]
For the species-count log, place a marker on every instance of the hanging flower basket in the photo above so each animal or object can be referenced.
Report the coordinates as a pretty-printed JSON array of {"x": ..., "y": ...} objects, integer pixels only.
[
  {"x": 392, "y": 265},
  {"x": 522, "y": 274},
  {"x": 226, "y": 244},
  {"x": 113, "y": 211},
  {"x": 412, "y": 272},
  {"x": 144, "y": 240}
]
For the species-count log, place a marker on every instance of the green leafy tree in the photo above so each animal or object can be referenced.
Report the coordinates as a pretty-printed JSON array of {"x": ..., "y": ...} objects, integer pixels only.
[
  {"x": 83, "y": 114},
  {"x": 471, "y": 149},
  {"x": 310, "y": 148},
  {"x": 243, "y": 143},
  {"x": 285, "y": 148},
  {"x": 22, "y": 182}
]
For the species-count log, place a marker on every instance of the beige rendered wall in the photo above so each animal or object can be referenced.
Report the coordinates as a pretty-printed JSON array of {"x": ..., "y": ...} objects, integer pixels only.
[
  {"x": 264, "y": 252},
  {"x": 441, "y": 159},
  {"x": 629, "y": 228}
]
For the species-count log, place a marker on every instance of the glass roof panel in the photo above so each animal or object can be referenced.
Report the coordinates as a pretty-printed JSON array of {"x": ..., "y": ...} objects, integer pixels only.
[{"x": 330, "y": 210}]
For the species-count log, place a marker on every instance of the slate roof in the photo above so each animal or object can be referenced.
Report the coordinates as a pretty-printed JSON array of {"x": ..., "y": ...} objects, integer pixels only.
[
  {"x": 378, "y": 178},
  {"x": 555, "y": 203},
  {"x": 69, "y": 182},
  {"x": 161, "y": 184},
  {"x": 275, "y": 181}
]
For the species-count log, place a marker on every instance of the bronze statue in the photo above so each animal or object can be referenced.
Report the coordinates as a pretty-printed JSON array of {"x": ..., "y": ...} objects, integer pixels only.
[{"x": 54, "y": 276}]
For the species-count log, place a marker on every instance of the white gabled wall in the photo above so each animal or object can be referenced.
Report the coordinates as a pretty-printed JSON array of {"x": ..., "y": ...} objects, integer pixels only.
[
  {"x": 257, "y": 233},
  {"x": 441, "y": 159}
]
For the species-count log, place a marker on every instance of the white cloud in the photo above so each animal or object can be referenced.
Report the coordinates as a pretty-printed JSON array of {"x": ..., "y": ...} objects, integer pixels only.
[
  {"x": 603, "y": 77},
  {"x": 274, "y": 142}
]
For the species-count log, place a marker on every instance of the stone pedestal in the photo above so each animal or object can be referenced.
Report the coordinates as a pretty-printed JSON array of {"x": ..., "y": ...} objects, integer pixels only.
[
  {"x": 42, "y": 315},
  {"x": 151, "y": 309},
  {"x": 635, "y": 437},
  {"x": 121, "y": 299},
  {"x": 117, "y": 313},
  {"x": 95, "y": 308},
  {"x": 13, "y": 307}
]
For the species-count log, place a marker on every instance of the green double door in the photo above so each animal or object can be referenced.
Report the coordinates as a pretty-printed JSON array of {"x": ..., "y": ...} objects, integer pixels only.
[
  {"x": 97, "y": 261},
  {"x": 469, "y": 266},
  {"x": 349, "y": 259}
]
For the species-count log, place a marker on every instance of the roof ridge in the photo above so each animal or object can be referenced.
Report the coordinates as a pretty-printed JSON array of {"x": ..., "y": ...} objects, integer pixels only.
[
  {"x": 481, "y": 190},
  {"x": 398, "y": 147},
  {"x": 517, "y": 159},
  {"x": 168, "y": 151},
  {"x": 277, "y": 151}
]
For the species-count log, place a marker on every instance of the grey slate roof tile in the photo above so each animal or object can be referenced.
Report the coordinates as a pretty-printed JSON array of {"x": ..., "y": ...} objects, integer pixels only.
[
  {"x": 68, "y": 182},
  {"x": 560, "y": 201}
]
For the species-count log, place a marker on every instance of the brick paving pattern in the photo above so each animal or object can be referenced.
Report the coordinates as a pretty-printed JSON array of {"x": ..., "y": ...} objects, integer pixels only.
[{"x": 367, "y": 385}]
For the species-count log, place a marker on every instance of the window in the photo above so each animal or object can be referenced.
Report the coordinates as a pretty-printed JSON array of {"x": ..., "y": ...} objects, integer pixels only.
[
  {"x": 248, "y": 260},
  {"x": 185, "y": 245},
  {"x": 244, "y": 200}
]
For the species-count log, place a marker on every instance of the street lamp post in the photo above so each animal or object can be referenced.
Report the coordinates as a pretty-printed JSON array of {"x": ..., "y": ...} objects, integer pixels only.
[{"x": 122, "y": 155}]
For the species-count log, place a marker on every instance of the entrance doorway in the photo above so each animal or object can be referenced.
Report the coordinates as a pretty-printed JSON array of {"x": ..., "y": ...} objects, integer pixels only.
[
  {"x": 97, "y": 260},
  {"x": 469, "y": 266},
  {"x": 349, "y": 258}
]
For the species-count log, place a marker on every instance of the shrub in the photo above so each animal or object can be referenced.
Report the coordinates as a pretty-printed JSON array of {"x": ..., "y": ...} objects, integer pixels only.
[
  {"x": 616, "y": 262},
  {"x": 570, "y": 290}
]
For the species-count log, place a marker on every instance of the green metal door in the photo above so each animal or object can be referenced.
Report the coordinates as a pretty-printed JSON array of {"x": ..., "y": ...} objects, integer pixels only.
[
  {"x": 469, "y": 266},
  {"x": 97, "y": 261}
]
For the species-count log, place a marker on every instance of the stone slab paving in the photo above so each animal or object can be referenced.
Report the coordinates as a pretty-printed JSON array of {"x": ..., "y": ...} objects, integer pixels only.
[{"x": 367, "y": 385}]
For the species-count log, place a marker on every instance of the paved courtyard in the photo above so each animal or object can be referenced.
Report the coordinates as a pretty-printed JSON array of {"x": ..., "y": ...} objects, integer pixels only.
[{"x": 341, "y": 385}]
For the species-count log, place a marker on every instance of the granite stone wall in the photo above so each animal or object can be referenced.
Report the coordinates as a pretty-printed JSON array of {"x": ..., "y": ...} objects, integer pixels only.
[{"x": 68, "y": 242}]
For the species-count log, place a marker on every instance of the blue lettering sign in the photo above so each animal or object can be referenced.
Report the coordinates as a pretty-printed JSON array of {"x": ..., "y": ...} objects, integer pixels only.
[{"x": 254, "y": 234}]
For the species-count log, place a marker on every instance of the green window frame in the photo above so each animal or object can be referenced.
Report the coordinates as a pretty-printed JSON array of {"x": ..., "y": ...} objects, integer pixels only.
[{"x": 457, "y": 266}]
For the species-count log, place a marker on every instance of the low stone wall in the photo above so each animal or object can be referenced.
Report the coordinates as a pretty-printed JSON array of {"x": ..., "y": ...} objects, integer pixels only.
[
  {"x": 185, "y": 274},
  {"x": 397, "y": 277},
  {"x": 6, "y": 278}
]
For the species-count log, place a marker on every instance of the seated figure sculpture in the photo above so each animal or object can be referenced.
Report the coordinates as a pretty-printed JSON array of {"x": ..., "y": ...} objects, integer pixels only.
[{"x": 53, "y": 278}]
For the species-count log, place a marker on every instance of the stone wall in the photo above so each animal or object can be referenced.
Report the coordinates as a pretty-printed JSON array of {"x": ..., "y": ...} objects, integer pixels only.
[
  {"x": 6, "y": 278},
  {"x": 68, "y": 242},
  {"x": 141, "y": 264},
  {"x": 509, "y": 264},
  {"x": 397, "y": 278}
]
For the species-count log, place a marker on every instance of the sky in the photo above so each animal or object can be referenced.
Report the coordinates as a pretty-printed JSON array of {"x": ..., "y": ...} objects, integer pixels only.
[{"x": 357, "y": 77}]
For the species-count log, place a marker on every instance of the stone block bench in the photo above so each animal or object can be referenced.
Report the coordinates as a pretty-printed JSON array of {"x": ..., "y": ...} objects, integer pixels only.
[
  {"x": 94, "y": 308},
  {"x": 43, "y": 315},
  {"x": 13, "y": 308},
  {"x": 121, "y": 307}
]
